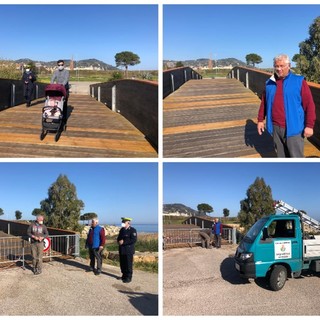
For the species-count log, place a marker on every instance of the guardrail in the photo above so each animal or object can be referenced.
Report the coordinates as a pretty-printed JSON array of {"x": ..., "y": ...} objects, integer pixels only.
[
  {"x": 17, "y": 249},
  {"x": 255, "y": 80},
  {"x": 11, "y": 92},
  {"x": 174, "y": 237},
  {"x": 173, "y": 79},
  {"x": 136, "y": 100}
]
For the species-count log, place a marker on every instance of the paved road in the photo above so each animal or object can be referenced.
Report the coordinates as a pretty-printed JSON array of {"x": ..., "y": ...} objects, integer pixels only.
[
  {"x": 204, "y": 282},
  {"x": 65, "y": 288}
]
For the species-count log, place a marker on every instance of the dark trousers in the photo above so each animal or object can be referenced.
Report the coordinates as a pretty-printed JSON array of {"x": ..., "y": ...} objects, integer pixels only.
[
  {"x": 217, "y": 240},
  {"x": 291, "y": 147},
  {"x": 95, "y": 254},
  {"x": 28, "y": 94},
  {"x": 126, "y": 262}
]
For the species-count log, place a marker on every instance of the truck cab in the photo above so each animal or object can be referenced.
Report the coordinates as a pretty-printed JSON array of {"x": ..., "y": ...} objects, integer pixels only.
[{"x": 272, "y": 248}]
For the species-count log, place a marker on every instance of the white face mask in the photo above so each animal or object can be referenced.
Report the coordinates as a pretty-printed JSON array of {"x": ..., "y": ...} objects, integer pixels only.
[
  {"x": 27, "y": 70},
  {"x": 61, "y": 67},
  {"x": 40, "y": 222},
  {"x": 123, "y": 225}
]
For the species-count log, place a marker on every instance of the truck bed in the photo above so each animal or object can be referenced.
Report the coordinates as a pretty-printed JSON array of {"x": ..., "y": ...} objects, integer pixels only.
[{"x": 311, "y": 248}]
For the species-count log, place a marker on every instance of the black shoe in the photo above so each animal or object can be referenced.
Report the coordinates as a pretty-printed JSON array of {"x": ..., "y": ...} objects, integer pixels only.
[
  {"x": 126, "y": 280},
  {"x": 98, "y": 273},
  {"x": 90, "y": 269}
]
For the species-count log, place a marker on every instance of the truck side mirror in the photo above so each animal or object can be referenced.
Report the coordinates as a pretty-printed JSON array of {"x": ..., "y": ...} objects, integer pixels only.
[{"x": 265, "y": 234}]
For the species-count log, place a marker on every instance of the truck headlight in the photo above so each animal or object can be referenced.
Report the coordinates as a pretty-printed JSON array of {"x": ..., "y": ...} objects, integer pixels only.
[{"x": 245, "y": 256}]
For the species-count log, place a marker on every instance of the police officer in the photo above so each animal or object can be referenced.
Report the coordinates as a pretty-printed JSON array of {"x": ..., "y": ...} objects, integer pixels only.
[{"x": 126, "y": 239}]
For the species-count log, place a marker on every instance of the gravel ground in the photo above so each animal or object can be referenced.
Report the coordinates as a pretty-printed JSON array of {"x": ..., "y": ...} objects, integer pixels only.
[
  {"x": 66, "y": 288},
  {"x": 204, "y": 282}
]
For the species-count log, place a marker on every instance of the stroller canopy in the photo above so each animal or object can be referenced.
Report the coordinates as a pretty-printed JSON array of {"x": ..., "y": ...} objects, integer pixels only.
[{"x": 55, "y": 90}]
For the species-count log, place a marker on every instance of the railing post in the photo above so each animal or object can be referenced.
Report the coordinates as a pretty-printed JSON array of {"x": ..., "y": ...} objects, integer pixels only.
[
  {"x": 185, "y": 75},
  {"x": 172, "y": 82},
  {"x": 247, "y": 80},
  {"x": 67, "y": 248},
  {"x": 13, "y": 95},
  {"x": 113, "y": 98},
  {"x": 234, "y": 236},
  {"x": 37, "y": 91},
  {"x": 238, "y": 74},
  {"x": 99, "y": 94},
  {"x": 232, "y": 74},
  {"x": 92, "y": 91},
  {"x": 8, "y": 227}
]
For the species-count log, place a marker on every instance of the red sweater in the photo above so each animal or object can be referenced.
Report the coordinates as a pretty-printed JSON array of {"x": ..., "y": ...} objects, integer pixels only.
[{"x": 278, "y": 113}]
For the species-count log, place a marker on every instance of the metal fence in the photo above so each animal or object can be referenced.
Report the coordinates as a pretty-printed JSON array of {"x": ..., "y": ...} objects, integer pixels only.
[
  {"x": 18, "y": 249},
  {"x": 172, "y": 237}
]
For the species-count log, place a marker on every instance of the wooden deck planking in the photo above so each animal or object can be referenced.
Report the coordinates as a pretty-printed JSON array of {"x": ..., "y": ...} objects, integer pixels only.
[
  {"x": 93, "y": 130},
  {"x": 216, "y": 118}
]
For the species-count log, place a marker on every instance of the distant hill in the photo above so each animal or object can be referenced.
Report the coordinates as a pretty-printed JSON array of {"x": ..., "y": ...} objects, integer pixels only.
[
  {"x": 203, "y": 62},
  {"x": 92, "y": 64},
  {"x": 179, "y": 208}
]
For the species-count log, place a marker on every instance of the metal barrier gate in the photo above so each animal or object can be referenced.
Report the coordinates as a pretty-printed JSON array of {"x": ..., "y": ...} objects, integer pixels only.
[
  {"x": 192, "y": 236},
  {"x": 18, "y": 249}
]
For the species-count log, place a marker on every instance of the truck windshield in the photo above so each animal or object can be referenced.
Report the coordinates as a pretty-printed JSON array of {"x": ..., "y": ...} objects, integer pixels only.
[{"x": 255, "y": 230}]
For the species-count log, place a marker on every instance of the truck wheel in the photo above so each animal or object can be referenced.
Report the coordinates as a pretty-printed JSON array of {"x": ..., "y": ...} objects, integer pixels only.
[{"x": 278, "y": 278}]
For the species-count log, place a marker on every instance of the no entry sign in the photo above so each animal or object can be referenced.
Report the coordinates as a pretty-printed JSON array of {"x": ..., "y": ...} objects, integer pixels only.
[{"x": 47, "y": 244}]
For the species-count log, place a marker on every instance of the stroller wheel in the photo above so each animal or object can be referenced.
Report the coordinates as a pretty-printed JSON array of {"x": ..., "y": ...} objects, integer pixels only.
[
  {"x": 56, "y": 138},
  {"x": 43, "y": 134}
]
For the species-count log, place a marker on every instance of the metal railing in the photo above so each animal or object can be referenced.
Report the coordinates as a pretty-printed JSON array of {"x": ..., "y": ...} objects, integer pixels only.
[
  {"x": 173, "y": 237},
  {"x": 17, "y": 249}
]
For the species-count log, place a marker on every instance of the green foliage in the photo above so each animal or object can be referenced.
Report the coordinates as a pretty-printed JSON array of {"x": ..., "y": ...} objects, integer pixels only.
[
  {"x": 18, "y": 214},
  {"x": 204, "y": 208},
  {"x": 173, "y": 220},
  {"x": 116, "y": 75},
  {"x": 259, "y": 202},
  {"x": 179, "y": 64},
  {"x": 226, "y": 212},
  {"x": 88, "y": 216},
  {"x": 1, "y": 212},
  {"x": 8, "y": 70},
  {"x": 62, "y": 207},
  {"x": 253, "y": 59},
  {"x": 308, "y": 61},
  {"x": 125, "y": 59}
]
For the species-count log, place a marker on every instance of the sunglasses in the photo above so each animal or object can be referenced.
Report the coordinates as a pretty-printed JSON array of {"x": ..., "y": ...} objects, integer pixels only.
[{"x": 60, "y": 64}]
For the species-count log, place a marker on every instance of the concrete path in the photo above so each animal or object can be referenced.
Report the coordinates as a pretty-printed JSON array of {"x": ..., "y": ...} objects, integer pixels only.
[
  {"x": 204, "y": 282},
  {"x": 66, "y": 288}
]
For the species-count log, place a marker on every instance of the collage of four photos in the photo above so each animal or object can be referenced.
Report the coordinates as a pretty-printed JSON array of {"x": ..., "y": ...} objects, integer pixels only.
[{"x": 159, "y": 160}]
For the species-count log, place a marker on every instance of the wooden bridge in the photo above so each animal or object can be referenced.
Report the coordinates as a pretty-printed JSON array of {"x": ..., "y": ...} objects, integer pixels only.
[
  {"x": 216, "y": 118},
  {"x": 93, "y": 130}
]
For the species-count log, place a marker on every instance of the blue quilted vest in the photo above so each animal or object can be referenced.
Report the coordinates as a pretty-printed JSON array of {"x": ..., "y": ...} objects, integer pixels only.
[{"x": 294, "y": 112}]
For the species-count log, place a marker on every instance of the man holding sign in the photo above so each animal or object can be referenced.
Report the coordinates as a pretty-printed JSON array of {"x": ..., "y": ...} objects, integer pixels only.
[{"x": 37, "y": 232}]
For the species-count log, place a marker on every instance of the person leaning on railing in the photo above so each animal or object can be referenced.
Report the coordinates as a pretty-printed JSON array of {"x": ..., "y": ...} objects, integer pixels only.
[{"x": 37, "y": 232}]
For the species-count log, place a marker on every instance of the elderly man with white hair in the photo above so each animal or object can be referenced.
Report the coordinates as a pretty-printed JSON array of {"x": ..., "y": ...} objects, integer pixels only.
[
  {"x": 95, "y": 242},
  {"x": 289, "y": 109}
]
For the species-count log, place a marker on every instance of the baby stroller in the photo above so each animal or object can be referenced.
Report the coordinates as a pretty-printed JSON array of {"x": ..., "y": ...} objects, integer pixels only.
[{"x": 52, "y": 112}]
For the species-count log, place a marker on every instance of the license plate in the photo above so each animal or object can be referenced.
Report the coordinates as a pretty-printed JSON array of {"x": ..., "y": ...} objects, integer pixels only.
[{"x": 237, "y": 266}]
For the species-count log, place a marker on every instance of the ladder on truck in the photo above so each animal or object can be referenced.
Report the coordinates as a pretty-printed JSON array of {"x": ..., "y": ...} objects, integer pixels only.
[{"x": 287, "y": 209}]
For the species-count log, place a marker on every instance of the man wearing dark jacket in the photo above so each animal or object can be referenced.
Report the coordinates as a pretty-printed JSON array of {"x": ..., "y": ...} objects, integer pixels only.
[
  {"x": 126, "y": 239},
  {"x": 37, "y": 232},
  {"x": 95, "y": 242},
  {"x": 28, "y": 79}
]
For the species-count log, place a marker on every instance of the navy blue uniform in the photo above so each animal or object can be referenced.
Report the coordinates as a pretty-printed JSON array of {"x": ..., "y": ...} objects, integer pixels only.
[
  {"x": 126, "y": 251},
  {"x": 28, "y": 79}
]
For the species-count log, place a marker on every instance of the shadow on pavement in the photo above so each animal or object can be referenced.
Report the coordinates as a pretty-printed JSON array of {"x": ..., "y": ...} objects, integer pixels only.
[
  {"x": 79, "y": 265},
  {"x": 145, "y": 303},
  {"x": 229, "y": 273}
]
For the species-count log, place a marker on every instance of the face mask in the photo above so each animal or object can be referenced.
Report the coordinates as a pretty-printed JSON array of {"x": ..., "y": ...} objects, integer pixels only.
[
  {"x": 40, "y": 222},
  {"x": 123, "y": 225},
  {"x": 27, "y": 70},
  {"x": 61, "y": 67}
]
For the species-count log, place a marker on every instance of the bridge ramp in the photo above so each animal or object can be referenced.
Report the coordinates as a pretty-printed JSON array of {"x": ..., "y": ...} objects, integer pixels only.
[
  {"x": 215, "y": 118},
  {"x": 93, "y": 130}
]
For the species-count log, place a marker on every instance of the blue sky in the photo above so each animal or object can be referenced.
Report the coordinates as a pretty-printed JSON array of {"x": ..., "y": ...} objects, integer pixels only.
[
  {"x": 224, "y": 185},
  {"x": 233, "y": 31},
  {"x": 112, "y": 190},
  {"x": 52, "y": 32}
]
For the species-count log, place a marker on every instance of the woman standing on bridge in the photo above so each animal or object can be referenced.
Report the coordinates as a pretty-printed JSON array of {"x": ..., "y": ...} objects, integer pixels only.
[{"x": 28, "y": 79}]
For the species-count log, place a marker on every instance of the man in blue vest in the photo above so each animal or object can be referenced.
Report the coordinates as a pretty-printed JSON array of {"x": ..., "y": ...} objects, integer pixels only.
[
  {"x": 126, "y": 239},
  {"x": 217, "y": 230},
  {"x": 288, "y": 107},
  {"x": 95, "y": 242}
]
